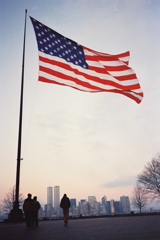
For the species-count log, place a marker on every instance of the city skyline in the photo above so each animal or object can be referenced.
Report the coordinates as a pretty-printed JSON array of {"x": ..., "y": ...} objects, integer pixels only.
[
  {"x": 88, "y": 143},
  {"x": 84, "y": 207},
  {"x": 125, "y": 200},
  {"x": 57, "y": 195}
]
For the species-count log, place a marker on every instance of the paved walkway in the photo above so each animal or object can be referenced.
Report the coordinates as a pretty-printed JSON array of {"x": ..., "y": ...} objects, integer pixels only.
[{"x": 116, "y": 228}]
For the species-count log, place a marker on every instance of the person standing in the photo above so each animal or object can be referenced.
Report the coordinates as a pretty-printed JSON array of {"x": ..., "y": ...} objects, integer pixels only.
[
  {"x": 28, "y": 210},
  {"x": 36, "y": 207},
  {"x": 65, "y": 205}
]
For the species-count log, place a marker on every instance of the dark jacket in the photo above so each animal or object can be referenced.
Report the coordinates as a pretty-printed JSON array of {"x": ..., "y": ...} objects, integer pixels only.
[
  {"x": 36, "y": 205},
  {"x": 28, "y": 205},
  {"x": 65, "y": 203}
]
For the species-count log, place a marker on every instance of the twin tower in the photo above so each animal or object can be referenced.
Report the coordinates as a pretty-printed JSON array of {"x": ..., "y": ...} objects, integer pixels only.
[{"x": 53, "y": 209}]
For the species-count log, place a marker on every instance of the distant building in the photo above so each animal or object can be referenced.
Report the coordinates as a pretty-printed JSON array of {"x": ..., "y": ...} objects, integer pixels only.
[
  {"x": 73, "y": 209},
  {"x": 49, "y": 201},
  {"x": 50, "y": 196},
  {"x": 103, "y": 207},
  {"x": 83, "y": 208},
  {"x": 104, "y": 200},
  {"x": 112, "y": 206},
  {"x": 56, "y": 200},
  {"x": 97, "y": 209},
  {"x": 92, "y": 205},
  {"x": 125, "y": 204},
  {"x": 117, "y": 207},
  {"x": 108, "y": 207},
  {"x": 73, "y": 202},
  {"x": 91, "y": 199},
  {"x": 102, "y": 210},
  {"x": 40, "y": 213},
  {"x": 45, "y": 210}
]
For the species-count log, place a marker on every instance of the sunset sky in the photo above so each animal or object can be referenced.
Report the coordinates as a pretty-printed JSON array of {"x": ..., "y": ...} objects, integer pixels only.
[{"x": 89, "y": 144}]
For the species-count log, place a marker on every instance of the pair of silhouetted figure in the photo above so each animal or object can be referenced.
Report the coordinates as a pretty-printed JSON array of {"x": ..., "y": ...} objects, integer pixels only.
[{"x": 30, "y": 208}]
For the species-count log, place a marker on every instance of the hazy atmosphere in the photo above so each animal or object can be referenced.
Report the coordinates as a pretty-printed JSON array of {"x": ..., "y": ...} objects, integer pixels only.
[{"x": 89, "y": 144}]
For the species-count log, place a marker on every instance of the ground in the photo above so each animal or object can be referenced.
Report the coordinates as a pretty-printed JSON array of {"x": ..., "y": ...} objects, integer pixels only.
[{"x": 113, "y": 228}]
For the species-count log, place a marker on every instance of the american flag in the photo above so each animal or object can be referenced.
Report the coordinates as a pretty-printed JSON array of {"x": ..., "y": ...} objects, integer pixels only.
[{"x": 65, "y": 62}]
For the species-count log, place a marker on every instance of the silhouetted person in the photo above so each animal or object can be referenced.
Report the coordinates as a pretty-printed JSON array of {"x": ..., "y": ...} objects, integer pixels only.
[
  {"x": 36, "y": 207},
  {"x": 65, "y": 204},
  {"x": 28, "y": 210}
]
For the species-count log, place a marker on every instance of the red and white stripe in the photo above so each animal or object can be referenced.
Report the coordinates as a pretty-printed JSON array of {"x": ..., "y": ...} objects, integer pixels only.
[{"x": 105, "y": 72}]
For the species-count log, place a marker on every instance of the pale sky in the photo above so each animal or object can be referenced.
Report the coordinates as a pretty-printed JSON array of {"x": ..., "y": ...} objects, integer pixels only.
[{"x": 89, "y": 144}]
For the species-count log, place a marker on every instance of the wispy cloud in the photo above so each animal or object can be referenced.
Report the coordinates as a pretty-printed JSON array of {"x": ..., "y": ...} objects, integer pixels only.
[{"x": 120, "y": 182}]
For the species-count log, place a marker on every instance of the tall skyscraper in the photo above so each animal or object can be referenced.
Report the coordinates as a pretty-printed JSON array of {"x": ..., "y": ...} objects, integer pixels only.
[
  {"x": 56, "y": 199},
  {"x": 50, "y": 196},
  {"x": 125, "y": 204},
  {"x": 91, "y": 199},
  {"x": 104, "y": 200},
  {"x": 49, "y": 201}
]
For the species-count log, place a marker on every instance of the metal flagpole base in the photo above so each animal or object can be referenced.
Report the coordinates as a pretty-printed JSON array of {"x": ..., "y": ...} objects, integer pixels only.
[{"x": 15, "y": 215}]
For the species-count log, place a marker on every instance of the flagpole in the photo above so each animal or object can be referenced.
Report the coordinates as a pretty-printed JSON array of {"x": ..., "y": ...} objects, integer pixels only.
[{"x": 16, "y": 213}]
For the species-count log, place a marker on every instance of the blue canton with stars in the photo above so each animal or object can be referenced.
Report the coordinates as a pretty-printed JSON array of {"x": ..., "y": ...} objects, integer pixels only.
[{"x": 54, "y": 44}]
